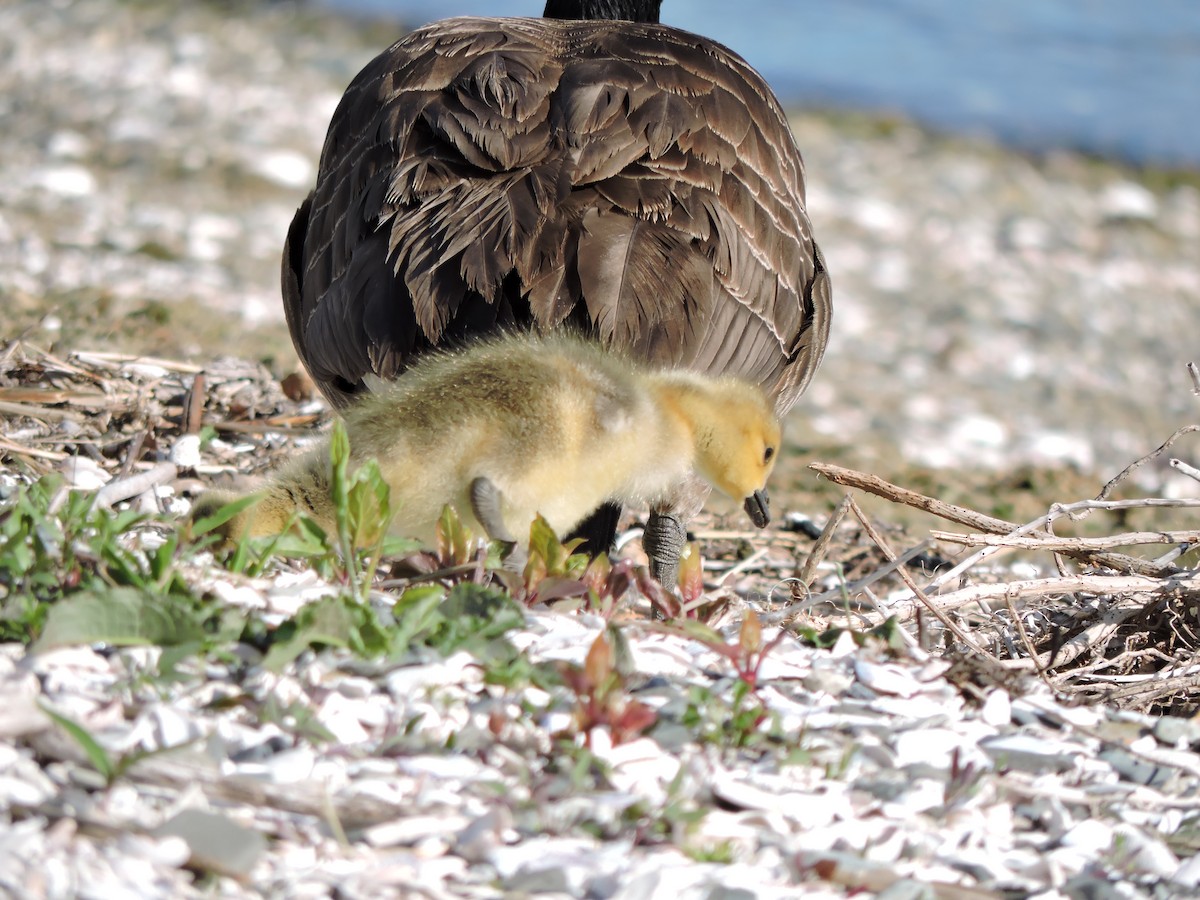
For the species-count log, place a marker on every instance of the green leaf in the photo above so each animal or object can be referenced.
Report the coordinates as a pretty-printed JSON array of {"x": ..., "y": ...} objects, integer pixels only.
[
  {"x": 122, "y": 617},
  {"x": 339, "y": 481},
  {"x": 223, "y": 514},
  {"x": 750, "y": 636},
  {"x": 333, "y": 621},
  {"x": 452, "y": 537},
  {"x": 416, "y": 612},
  {"x": 475, "y": 614},
  {"x": 698, "y": 631},
  {"x": 369, "y": 506},
  {"x": 96, "y": 754}
]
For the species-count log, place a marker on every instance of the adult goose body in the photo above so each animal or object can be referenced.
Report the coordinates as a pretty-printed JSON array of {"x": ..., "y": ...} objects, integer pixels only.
[{"x": 591, "y": 170}]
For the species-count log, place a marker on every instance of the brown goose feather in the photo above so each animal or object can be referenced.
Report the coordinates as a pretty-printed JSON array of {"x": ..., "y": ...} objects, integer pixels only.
[{"x": 629, "y": 179}]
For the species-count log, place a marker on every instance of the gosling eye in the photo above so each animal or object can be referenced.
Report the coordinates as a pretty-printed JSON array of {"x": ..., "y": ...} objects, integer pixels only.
[{"x": 768, "y": 454}]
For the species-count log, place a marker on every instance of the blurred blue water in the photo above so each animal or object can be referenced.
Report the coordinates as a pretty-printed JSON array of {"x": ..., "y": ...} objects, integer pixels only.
[{"x": 1120, "y": 78}]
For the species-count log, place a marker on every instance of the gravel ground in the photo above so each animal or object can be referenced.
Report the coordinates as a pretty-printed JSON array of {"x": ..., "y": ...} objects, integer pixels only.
[{"x": 991, "y": 310}]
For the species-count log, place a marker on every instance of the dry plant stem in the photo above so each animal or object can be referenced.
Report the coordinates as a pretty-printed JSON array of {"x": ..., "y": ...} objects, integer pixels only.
[
  {"x": 836, "y": 596},
  {"x": 752, "y": 561},
  {"x": 124, "y": 488},
  {"x": 116, "y": 360},
  {"x": 1095, "y": 635},
  {"x": 1081, "y": 509},
  {"x": 132, "y": 454},
  {"x": 17, "y": 449},
  {"x": 1184, "y": 469},
  {"x": 1194, "y": 374},
  {"x": 885, "y": 548},
  {"x": 299, "y": 426},
  {"x": 734, "y": 535},
  {"x": 36, "y": 412},
  {"x": 1148, "y": 678},
  {"x": 945, "y": 577},
  {"x": 980, "y": 522},
  {"x": 193, "y": 404},
  {"x": 1067, "y": 543},
  {"x": 1058, "y": 510},
  {"x": 1154, "y": 454},
  {"x": 1025, "y": 641},
  {"x": 1089, "y": 584},
  {"x": 821, "y": 547},
  {"x": 1161, "y": 687},
  {"x": 873, "y": 484}
]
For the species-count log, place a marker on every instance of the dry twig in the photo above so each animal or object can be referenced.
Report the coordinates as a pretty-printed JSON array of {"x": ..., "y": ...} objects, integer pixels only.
[
  {"x": 980, "y": 522},
  {"x": 1055, "y": 544}
]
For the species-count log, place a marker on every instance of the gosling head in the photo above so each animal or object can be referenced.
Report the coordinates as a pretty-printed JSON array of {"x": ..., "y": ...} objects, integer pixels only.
[{"x": 737, "y": 447}]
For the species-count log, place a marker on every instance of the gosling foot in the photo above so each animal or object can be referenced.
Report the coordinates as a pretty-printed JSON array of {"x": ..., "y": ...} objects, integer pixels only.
[
  {"x": 487, "y": 504},
  {"x": 663, "y": 541}
]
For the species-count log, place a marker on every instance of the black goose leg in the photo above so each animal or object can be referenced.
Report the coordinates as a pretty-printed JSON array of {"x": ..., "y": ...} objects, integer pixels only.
[
  {"x": 663, "y": 541},
  {"x": 598, "y": 530}
]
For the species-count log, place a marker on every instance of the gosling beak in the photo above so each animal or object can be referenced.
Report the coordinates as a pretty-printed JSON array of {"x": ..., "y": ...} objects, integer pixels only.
[{"x": 758, "y": 508}]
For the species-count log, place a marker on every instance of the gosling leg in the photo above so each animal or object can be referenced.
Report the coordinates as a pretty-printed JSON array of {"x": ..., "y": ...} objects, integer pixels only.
[
  {"x": 486, "y": 503},
  {"x": 663, "y": 541}
]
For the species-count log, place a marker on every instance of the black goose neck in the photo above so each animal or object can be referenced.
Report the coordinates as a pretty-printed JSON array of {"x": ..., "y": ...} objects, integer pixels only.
[{"x": 630, "y": 10}]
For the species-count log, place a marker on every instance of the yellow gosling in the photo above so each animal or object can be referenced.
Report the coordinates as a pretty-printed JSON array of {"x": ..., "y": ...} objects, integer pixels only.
[{"x": 522, "y": 425}]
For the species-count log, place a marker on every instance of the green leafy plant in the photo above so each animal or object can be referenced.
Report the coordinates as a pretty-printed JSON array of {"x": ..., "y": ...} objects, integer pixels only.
[
  {"x": 746, "y": 654},
  {"x": 738, "y": 723},
  {"x": 339, "y": 621},
  {"x": 351, "y": 554},
  {"x": 455, "y": 556},
  {"x": 601, "y": 698},
  {"x": 48, "y": 537},
  {"x": 555, "y": 572},
  {"x": 74, "y": 573},
  {"x": 109, "y": 768},
  {"x": 674, "y": 822}
]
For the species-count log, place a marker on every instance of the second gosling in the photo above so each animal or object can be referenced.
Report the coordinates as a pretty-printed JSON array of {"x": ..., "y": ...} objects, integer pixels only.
[{"x": 522, "y": 425}]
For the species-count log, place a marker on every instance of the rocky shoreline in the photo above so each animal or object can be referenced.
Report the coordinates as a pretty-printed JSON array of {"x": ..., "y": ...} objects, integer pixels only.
[{"x": 991, "y": 309}]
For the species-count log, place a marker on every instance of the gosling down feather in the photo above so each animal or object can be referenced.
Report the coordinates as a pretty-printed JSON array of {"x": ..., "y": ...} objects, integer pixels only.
[
  {"x": 519, "y": 426},
  {"x": 625, "y": 180}
]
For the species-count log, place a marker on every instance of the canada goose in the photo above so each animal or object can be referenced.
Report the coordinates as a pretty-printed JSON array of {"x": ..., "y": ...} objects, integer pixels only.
[
  {"x": 522, "y": 425},
  {"x": 627, "y": 180}
]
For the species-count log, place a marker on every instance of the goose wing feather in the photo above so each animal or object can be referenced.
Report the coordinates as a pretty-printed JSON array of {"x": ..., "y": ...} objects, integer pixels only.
[{"x": 636, "y": 180}]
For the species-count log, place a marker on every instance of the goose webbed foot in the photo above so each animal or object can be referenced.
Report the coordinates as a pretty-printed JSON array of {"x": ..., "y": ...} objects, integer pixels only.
[
  {"x": 758, "y": 508},
  {"x": 663, "y": 541}
]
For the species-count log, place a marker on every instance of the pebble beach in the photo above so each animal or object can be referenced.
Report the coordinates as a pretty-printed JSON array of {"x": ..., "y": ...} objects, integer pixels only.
[{"x": 992, "y": 309}]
